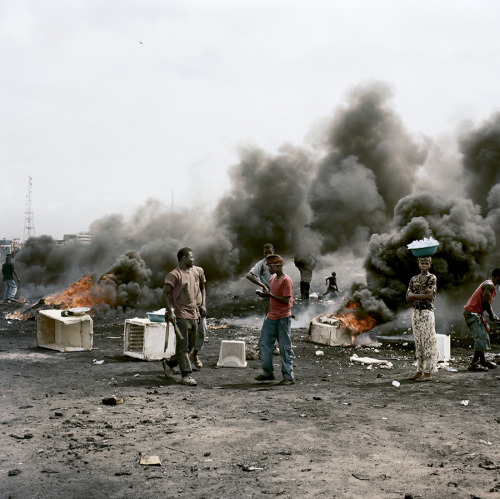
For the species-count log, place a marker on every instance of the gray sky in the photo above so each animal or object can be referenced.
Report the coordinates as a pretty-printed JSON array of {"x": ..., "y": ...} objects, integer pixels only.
[{"x": 108, "y": 103}]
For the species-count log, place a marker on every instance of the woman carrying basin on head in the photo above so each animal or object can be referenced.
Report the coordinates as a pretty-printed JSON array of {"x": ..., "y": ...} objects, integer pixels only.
[{"x": 421, "y": 294}]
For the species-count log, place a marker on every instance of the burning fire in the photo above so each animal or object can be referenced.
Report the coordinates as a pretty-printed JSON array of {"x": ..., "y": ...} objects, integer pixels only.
[
  {"x": 359, "y": 321},
  {"x": 356, "y": 322},
  {"x": 18, "y": 315},
  {"x": 82, "y": 293}
]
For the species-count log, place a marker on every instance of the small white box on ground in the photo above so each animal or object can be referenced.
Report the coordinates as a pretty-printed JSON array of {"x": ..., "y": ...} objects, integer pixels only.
[
  {"x": 66, "y": 334},
  {"x": 232, "y": 354},
  {"x": 143, "y": 339},
  {"x": 444, "y": 348},
  {"x": 328, "y": 334}
]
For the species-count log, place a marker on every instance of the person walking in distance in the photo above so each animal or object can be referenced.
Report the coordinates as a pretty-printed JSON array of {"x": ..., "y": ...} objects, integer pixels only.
[
  {"x": 306, "y": 265},
  {"x": 474, "y": 310},
  {"x": 8, "y": 274},
  {"x": 179, "y": 294}
]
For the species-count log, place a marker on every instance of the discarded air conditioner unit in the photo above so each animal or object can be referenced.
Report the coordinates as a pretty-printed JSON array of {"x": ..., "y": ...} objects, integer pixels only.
[
  {"x": 146, "y": 340},
  {"x": 232, "y": 354},
  {"x": 444, "y": 348},
  {"x": 330, "y": 332},
  {"x": 66, "y": 334}
]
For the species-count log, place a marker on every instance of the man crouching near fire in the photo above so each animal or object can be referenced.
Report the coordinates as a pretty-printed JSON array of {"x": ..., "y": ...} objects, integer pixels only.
[
  {"x": 181, "y": 311},
  {"x": 278, "y": 323},
  {"x": 474, "y": 309}
]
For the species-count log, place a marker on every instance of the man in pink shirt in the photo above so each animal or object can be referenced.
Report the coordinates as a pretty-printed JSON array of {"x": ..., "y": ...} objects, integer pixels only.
[
  {"x": 181, "y": 310},
  {"x": 278, "y": 323}
]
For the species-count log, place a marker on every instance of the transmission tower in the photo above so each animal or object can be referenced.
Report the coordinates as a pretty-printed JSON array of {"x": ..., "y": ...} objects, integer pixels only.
[{"x": 29, "y": 219}]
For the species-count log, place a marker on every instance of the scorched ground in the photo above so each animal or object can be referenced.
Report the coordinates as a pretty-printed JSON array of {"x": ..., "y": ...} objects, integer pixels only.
[{"x": 343, "y": 430}]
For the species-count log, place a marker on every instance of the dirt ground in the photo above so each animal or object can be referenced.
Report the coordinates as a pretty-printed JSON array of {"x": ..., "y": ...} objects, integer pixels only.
[{"x": 343, "y": 430}]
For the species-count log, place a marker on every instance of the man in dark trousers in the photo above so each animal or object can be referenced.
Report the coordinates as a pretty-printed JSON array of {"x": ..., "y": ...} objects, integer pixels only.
[
  {"x": 474, "y": 309},
  {"x": 306, "y": 265},
  {"x": 331, "y": 284},
  {"x": 8, "y": 274},
  {"x": 181, "y": 310}
]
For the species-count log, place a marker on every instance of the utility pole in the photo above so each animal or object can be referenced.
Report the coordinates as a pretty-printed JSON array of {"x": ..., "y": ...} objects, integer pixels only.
[{"x": 29, "y": 220}]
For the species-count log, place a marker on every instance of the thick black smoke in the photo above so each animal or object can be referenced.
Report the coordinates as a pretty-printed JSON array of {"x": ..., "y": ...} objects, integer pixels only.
[
  {"x": 464, "y": 236},
  {"x": 371, "y": 162},
  {"x": 267, "y": 203},
  {"x": 357, "y": 190},
  {"x": 481, "y": 153}
]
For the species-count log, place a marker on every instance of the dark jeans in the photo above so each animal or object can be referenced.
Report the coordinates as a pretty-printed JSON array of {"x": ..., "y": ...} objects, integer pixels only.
[
  {"x": 304, "y": 290},
  {"x": 185, "y": 337}
]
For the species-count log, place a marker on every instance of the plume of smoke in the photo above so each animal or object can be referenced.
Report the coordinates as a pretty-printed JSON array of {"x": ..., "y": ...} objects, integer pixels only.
[
  {"x": 45, "y": 265},
  {"x": 464, "y": 236},
  {"x": 267, "y": 202},
  {"x": 371, "y": 162},
  {"x": 131, "y": 278},
  {"x": 356, "y": 193},
  {"x": 481, "y": 157}
]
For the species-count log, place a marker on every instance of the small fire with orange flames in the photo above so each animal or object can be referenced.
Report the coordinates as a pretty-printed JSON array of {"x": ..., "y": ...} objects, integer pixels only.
[
  {"x": 356, "y": 322},
  {"x": 81, "y": 293}
]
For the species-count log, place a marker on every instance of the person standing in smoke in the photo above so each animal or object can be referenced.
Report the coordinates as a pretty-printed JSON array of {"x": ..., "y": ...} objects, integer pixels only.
[
  {"x": 8, "y": 274},
  {"x": 474, "y": 309},
  {"x": 306, "y": 267},
  {"x": 331, "y": 284},
  {"x": 278, "y": 324},
  {"x": 200, "y": 280},
  {"x": 422, "y": 293},
  {"x": 259, "y": 273},
  {"x": 179, "y": 294}
]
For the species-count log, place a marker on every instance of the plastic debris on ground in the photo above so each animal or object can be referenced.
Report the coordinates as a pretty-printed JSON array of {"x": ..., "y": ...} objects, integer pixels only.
[
  {"x": 368, "y": 360},
  {"x": 113, "y": 400},
  {"x": 150, "y": 461}
]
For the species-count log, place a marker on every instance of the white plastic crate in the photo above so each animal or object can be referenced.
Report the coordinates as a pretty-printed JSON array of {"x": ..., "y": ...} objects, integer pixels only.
[
  {"x": 232, "y": 354},
  {"x": 328, "y": 334},
  {"x": 143, "y": 339},
  {"x": 66, "y": 334},
  {"x": 444, "y": 348}
]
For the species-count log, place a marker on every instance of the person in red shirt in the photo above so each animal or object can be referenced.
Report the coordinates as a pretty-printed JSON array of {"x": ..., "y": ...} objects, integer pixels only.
[
  {"x": 474, "y": 309},
  {"x": 278, "y": 323}
]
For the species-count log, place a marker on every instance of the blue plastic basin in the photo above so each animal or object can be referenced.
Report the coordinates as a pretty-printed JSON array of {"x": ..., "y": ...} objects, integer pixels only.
[
  {"x": 155, "y": 317},
  {"x": 428, "y": 251}
]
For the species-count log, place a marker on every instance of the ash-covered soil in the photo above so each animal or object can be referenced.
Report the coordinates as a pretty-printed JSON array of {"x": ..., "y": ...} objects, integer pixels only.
[{"x": 343, "y": 430}]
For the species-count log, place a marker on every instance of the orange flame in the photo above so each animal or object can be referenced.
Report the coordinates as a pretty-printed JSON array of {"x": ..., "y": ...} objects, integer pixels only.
[
  {"x": 18, "y": 316},
  {"x": 356, "y": 322},
  {"x": 357, "y": 325},
  {"x": 81, "y": 293}
]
